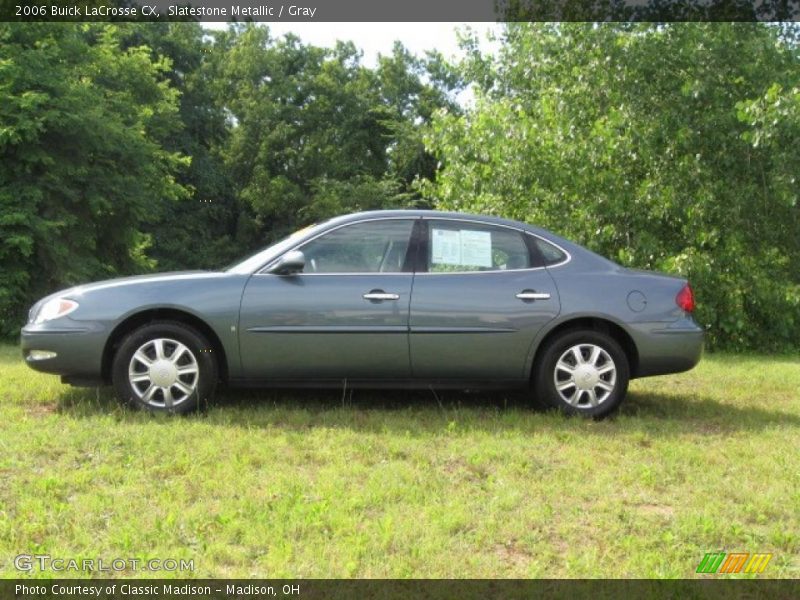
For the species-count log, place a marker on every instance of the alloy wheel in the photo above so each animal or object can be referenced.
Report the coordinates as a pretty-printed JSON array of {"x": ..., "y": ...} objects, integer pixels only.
[
  {"x": 163, "y": 373},
  {"x": 585, "y": 376}
]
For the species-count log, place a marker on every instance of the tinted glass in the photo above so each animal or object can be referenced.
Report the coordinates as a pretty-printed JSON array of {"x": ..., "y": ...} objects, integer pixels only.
[
  {"x": 455, "y": 246},
  {"x": 372, "y": 247},
  {"x": 265, "y": 255},
  {"x": 550, "y": 253}
]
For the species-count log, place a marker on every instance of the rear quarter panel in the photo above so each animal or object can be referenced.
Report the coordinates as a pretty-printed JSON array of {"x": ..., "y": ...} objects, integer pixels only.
[{"x": 641, "y": 303}]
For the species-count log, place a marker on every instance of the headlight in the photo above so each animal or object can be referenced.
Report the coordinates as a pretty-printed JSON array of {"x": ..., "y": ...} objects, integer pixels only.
[{"x": 55, "y": 308}]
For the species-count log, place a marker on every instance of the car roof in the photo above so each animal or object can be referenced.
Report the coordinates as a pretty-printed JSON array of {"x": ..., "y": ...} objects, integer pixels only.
[
  {"x": 416, "y": 212},
  {"x": 575, "y": 250}
]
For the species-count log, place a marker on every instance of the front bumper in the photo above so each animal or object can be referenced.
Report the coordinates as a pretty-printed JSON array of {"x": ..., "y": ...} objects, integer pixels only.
[{"x": 77, "y": 348}]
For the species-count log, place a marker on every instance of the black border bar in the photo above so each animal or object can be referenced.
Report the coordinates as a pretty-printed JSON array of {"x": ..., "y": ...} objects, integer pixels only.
[
  {"x": 389, "y": 589},
  {"x": 399, "y": 10}
]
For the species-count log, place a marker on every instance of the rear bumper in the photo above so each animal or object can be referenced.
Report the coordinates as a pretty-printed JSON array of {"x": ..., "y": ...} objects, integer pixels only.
[
  {"x": 667, "y": 347},
  {"x": 71, "y": 350}
]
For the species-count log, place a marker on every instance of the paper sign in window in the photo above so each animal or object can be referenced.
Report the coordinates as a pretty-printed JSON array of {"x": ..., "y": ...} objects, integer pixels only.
[
  {"x": 464, "y": 247},
  {"x": 446, "y": 247},
  {"x": 476, "y": 248}
]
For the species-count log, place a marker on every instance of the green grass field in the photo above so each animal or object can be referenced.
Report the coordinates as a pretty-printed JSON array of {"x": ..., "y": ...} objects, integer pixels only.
[{"x": 280, "y": 484}]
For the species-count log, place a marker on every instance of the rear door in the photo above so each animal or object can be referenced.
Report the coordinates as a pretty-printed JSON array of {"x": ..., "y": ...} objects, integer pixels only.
[{"x": 479, "y": 299}]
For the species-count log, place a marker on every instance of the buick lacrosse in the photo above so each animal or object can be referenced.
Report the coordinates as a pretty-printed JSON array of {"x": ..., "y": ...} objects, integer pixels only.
[{"x": 405, "y": 298}]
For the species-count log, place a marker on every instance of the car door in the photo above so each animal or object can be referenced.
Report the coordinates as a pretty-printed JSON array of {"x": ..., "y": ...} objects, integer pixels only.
[
  {"x": 479, "y": 300},
  {"x": 345, "y": 316}
]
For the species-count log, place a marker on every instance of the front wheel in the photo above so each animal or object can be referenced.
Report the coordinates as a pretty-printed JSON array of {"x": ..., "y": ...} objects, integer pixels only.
[
  {"x": 583, "y": 372},
  {"x": 165, "y": 367}
]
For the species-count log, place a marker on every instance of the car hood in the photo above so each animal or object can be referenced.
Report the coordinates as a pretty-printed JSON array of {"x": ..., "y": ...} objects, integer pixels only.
[{"x": 139, "y": 279}]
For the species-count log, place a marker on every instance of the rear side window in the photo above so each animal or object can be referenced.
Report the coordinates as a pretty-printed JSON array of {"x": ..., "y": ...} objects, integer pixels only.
[
  {"x": 551, "y": 254},
  {"x": 455, "y": 246}
]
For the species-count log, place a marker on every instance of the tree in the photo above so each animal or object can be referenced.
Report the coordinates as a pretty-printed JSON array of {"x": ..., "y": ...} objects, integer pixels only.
[
  {"x": 199, "y": 230},
  {"x": 81, "y": 166},
  {"x": 314, "y": 133},
  {"x": 134, "y": 147},
  {"x": 661, "y": 146}
]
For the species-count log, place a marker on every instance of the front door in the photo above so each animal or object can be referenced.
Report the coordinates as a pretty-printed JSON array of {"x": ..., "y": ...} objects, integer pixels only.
[
  {"x": 344, "y": 317},
  {"x": 478, "y": 303}
]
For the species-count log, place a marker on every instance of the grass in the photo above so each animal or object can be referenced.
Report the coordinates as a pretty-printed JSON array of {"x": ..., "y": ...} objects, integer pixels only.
[{"x": 295, "y": 484}]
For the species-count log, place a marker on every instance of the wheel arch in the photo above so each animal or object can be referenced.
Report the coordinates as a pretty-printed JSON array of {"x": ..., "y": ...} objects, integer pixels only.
[
  {"x": 590, "y": 323},
  {"x": 150, "y": 315}
]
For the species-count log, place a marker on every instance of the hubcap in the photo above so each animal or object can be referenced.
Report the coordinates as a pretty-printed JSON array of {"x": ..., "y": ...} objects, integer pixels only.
[
  {"x": 585, "y": 376},
  {"x": 163, "y": 373}
]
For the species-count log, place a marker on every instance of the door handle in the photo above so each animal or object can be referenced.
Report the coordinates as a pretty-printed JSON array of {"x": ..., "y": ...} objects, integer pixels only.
[
  {"x": 532, "y": 295},
  {"x": 379, "y": 295}
]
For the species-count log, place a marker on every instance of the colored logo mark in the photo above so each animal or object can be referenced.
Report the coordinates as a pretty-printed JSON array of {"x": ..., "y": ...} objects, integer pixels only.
[{"x": 733, "y": 562}]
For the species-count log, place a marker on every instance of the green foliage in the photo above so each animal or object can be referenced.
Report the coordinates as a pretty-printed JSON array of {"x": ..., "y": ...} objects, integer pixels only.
[
  {"x": 80, "y": 162},
  {"x": 317, "y": 134},
  {"x": 132, "y": 147},
  {"x": 668, "y": 147},
  {"x": 197, "y": 231}
]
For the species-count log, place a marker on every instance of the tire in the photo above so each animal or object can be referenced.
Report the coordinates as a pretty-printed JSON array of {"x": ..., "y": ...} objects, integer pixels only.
[
  {"x": 593, "y": 386},
  {"x": 181, "y": 381}
]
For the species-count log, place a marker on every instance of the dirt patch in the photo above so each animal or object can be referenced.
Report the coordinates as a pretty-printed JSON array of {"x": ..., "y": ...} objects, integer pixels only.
[
  {"x": 660, "y": 510},
  {"x": 513, "y": 554},
  {"x": 42, "y": 410}
]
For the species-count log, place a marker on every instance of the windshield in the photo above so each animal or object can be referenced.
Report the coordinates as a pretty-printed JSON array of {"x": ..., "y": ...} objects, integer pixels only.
[{"x": 265, "y": 255}]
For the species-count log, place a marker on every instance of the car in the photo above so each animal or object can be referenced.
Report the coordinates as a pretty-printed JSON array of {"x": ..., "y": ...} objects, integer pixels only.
[{"x": 401, "y": 298}]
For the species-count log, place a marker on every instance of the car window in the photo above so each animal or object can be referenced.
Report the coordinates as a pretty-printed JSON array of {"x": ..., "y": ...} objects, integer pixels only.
[
  {"x": 370, "y": 247},
  {"x": 460, "y": 246},
  {"x": 265, "y": 255},
  {"x": 550, "y": 253}
]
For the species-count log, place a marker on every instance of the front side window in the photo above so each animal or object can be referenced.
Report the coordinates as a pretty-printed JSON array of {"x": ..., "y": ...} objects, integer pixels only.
[
  {"x": 455, "y": 246},
  {"x": 370, "y": 247}
]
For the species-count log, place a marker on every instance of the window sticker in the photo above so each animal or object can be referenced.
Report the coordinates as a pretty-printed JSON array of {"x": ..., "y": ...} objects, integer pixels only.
[
  {"x": 465, "y": 248},
  {"x": 446, "y": 249},
  {"x": 476, "y": 248}
]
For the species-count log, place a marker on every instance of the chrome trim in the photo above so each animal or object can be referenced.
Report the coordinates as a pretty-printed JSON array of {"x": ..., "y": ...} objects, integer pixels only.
[
  {"x": 373, "y": 273},
  {"x": 493, "y": 271},
  {"x": 264, "y": 269},
  {"x": 456, "y": 330},
  {"x": 533, "y": 296},
  {"x": 55, "y": 331},
  {"x": 329, "y": 329},
  {"x": 380, "y": 296},
  {"x": 468, "y": 220}
]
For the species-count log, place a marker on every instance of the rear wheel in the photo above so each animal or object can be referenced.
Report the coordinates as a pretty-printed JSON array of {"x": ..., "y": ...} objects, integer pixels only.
[
  {"x": 583, "y": 372},
  {"x": 165, "y": 367}
]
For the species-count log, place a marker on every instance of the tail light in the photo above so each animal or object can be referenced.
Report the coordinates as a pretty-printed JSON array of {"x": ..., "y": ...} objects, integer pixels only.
[{"x": 685, "y": 298}]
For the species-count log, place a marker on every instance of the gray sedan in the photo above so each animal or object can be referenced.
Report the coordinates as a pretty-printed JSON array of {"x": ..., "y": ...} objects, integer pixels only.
[{"x": 379, "y": 299}]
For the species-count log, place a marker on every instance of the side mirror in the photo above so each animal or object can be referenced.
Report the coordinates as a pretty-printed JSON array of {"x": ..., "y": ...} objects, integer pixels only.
[{"x": 292, "y": 262}]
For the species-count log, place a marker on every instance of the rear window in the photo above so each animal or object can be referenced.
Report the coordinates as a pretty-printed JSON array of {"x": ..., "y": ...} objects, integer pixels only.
[{"x": 552, "y": 255}]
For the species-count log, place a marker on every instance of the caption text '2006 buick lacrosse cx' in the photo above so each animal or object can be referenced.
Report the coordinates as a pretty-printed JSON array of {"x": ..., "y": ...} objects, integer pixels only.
[{"x": 404, "y": 298}]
